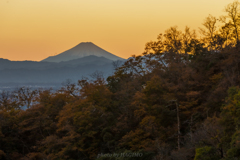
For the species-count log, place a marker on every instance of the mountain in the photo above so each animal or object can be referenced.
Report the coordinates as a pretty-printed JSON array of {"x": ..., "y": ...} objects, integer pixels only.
[
  {"x": 53, "y": 75},
  {"x": 28, "y": 72},
  {"x": 74, "y": 64},
  {"x": 7, "y": 64},
  {"x": 82, "y": 50},
  {"x": 88, "y": 60}
]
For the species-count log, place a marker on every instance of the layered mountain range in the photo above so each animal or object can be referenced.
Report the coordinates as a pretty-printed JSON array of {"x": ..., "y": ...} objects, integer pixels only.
[{"x": 75, "y": 63}]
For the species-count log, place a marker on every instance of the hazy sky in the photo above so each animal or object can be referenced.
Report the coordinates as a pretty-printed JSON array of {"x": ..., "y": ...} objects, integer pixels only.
[{"x": 36, "y": 29}]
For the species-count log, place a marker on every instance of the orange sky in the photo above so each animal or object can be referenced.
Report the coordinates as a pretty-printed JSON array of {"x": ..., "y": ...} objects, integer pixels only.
[{"x": 36, "y": 29}]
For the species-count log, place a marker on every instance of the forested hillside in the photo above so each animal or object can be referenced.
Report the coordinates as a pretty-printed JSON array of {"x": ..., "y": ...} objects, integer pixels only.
[{"x": 180, "y": 100}]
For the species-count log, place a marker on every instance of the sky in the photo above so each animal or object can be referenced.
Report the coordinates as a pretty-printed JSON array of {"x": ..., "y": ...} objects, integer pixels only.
[{"x": 36, "y": 29}]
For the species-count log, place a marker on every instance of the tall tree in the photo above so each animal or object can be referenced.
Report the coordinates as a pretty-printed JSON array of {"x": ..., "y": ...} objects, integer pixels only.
[
  {"x": 210, "y": 30},
  {"x": 233, "y": 14}
]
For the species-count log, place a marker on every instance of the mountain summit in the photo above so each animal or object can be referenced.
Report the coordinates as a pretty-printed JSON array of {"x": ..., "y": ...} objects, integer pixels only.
[{"x": 83, "y": 49}]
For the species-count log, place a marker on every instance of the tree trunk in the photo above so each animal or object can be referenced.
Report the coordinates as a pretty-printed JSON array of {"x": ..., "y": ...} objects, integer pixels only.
[
  {"x": 178, "y": 121},
  {"x": 191, "y": 124}
]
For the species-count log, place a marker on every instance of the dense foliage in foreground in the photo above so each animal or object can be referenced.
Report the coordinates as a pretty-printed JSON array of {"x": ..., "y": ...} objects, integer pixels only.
[{"x": 180, "y": 100}]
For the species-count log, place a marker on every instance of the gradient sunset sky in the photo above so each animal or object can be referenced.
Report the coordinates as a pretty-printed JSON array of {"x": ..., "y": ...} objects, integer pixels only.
[{"x": 36, "y": 29}]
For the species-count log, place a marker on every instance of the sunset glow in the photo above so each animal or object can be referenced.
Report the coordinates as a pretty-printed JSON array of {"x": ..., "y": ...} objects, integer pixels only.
[{"x": 36, "y": 29}]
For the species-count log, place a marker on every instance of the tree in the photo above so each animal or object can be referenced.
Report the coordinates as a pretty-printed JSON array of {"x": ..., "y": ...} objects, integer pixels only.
[
  {"x": 233, "y": 14},
  {"x": 210, "y": 30},
  {"x": 172, "y": 40},
  {"x": 25, "y": 96},
  {"x": 188, "y": 37}
]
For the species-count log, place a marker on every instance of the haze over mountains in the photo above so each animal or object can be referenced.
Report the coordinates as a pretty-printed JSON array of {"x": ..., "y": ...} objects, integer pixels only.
[{"x": 75, "y": 63}]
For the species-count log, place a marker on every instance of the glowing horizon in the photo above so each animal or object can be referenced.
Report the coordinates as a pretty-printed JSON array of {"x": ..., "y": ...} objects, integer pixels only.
[{"x": 34, "y": 30}]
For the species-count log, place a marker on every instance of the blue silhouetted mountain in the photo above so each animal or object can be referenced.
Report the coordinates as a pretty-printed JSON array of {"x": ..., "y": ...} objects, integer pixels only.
[
  {"x": 7, "y": 64},
  {"x": 83, "y": 49},
  {"x": 80, "y": 61},
  {"x": 29, "y": 72}
]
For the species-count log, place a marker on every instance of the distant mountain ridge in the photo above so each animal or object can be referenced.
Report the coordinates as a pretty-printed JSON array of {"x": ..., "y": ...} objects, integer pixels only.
[
  {"x": 51, "y": 72},
  {"x": 83, "y": 49},
  {"x": 80, "y": 61},
  {"x": 88, "y": 60}
]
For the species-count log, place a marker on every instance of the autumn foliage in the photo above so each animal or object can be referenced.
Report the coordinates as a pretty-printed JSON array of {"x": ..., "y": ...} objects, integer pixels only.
[{"x": 179, "y": 100}]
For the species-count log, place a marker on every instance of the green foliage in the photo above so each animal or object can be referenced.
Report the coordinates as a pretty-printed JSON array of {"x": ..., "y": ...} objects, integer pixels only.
[
  {"x": 234, "y": 151},
  {"x": 230, "y": 114},
  {"x": 206, "y": 153}
]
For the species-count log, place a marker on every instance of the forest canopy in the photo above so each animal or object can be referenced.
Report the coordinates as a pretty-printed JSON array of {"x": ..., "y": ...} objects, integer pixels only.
[{"x": 179, "y": 100}]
